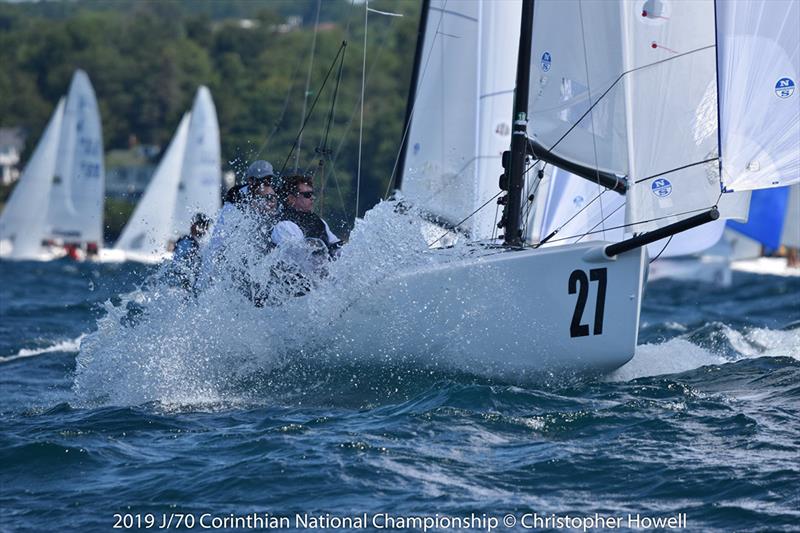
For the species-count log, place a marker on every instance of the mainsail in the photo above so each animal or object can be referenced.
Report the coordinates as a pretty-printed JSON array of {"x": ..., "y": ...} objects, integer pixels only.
[
  {"x": 22, "y": 222},
  {"x": 149, "y": 230},
  {"x": 77, "y": 193},
  {"x": 200, "y": 185},
  {"x": 460, "y": 122}
]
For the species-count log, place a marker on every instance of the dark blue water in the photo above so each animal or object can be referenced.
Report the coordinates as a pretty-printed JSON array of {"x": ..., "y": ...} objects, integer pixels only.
[{"x": 704, "y": 421}]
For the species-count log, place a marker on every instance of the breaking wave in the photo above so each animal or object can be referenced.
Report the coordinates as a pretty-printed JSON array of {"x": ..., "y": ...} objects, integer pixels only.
[{"x": 159, "y": 344}]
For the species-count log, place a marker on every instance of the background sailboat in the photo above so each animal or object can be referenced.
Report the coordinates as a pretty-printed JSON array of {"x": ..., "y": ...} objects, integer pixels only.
[
  {"x": 148, "y": 233},
  {"x": 77, "y": 196},
  {"x": 774, "y": 222},
  {"x": 22, "y": 222},
  {"x": 61, "y": 194},
  {"x": 188, "y": 180}
]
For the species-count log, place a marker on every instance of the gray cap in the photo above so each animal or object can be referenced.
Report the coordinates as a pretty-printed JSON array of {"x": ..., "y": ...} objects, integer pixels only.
[{"x": 259, "y": 169}]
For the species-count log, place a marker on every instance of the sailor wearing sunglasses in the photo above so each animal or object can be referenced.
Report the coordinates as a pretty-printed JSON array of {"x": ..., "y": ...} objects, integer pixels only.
[{"x": 298, "y": 219}]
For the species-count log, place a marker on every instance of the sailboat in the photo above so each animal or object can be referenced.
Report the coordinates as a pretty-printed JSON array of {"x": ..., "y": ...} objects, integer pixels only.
[
  {"x": 188, "y": 180},
  {"x": 774, "y": 222},
  {"x": 596, "y": 95},
  {"x": 59, "y": 199}
]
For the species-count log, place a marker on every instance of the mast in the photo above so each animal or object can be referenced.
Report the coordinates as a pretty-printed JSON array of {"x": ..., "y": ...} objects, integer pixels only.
[
  {"x": 412, "y": 91},
  {"x": 515, "y": 168}
]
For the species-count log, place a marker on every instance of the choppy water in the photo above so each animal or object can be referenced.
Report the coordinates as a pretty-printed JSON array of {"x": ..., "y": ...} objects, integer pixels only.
[{"x": 704, "y": 420}]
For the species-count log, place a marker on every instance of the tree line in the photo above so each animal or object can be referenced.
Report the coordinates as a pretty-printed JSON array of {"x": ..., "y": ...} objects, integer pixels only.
[{"x": 146, "y": 59}]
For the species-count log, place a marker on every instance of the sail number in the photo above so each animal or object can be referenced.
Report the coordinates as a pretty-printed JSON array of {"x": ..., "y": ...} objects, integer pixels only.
[{"x": 579, "y": 282}]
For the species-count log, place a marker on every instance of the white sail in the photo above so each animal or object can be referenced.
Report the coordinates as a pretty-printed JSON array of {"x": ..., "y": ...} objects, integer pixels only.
[
  {"x": 693, "y": 241},
  {"x": 571, "y": 72},
  {"x": 200, "y": 185},
  {"x": 22, "y": 222},
  {"x": 461, "y": 121},
  {"x": 149, "y": 229},
  {"x": 759, "y": 63},
  {"x": 580, "y": 210},
  {"x": 78, "y": 189},
  {"x": 628, "y": 87}
]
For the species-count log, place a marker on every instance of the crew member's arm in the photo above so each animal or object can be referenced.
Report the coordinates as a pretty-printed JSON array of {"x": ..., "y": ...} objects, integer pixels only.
[
  {"x": 285, "y": 231},
  {"x": 334, "y": 242}
]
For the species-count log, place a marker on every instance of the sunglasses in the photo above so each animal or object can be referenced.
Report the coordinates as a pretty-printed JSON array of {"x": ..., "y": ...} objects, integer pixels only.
[
  {"x": 306, "y": 194},
  {"x": 267, "y": 197}
]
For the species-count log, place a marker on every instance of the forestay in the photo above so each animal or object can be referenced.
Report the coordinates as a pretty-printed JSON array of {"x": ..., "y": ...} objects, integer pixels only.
[
  {"x": 150, "y": 227},
  {"x": 22, "y": 222},
  {"x": 759, "y": 58},
  {"x": 200, "y": 184},
  {"x": 460, "y": 123},
  {"x": 77, "y": 193}
]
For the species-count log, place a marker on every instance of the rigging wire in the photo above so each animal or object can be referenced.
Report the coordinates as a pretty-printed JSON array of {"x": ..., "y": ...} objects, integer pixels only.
[
  {"x": 323, "y": 149},
  {"x": 353, "y": 113},
  {"x": 278, "y": 122},
  {"x": 476, "y": 210},
  {"x": 532, "y": 190},
  {"x": 589, "y": 89},
  {"x": 662, "y": 250},
  {"x": 367, "y": 11},
  {"x": 313, "y": 105},
  {"x": 361, "y": 118},
  {"x": 308, "y": 83}
]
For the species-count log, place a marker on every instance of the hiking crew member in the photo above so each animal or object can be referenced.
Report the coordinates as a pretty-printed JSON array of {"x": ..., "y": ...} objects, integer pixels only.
[
  {"x": 297, "y": 217},
  {"x": 186, "y": 256}
]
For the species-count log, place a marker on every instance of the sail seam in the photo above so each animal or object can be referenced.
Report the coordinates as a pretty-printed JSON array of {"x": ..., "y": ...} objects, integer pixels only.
[{"x": 690, "y": 165}]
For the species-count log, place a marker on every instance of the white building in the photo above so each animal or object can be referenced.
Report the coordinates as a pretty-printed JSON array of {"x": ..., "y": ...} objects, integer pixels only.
[{"x": 12, "y": 142}]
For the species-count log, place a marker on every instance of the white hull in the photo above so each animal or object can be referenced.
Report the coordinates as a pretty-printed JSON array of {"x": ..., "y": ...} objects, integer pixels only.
[
  {"x": 43, "y": 254},
  {"x": 772, "y": 266},
  {"x": 704, "y": 269},
  {"x": 115, "y": 255},
  {"x": 510, "y": 312}
]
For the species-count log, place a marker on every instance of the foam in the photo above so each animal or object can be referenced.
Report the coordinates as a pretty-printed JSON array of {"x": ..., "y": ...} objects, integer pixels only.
[
  {"x": 68, "y": 346},
  {"x": 680, "y": 355},
  {"x": 196, "y": 350}
]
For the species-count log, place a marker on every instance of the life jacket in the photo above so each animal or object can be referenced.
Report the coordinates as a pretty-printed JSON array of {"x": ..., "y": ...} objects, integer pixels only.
[
  {"x": 236, "y": 194},
  {"x": 310, "y": 223}
]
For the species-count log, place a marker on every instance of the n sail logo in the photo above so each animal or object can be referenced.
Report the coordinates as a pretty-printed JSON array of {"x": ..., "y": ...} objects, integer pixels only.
[
  {"x": 784, "y": 88},
  {"x": 661, "y": 187},
  {"x": 547, "y": 60}
]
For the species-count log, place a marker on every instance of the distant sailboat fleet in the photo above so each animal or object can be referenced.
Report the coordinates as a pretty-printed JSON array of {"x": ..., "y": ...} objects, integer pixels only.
[{"x": 56, "y": 209}]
